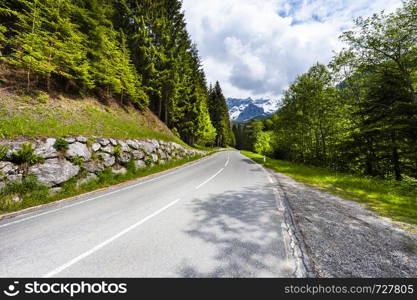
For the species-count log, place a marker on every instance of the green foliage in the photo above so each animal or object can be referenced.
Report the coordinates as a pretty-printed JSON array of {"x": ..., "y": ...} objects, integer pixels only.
[
  {"x": 25, "y": 186},
  {"x": 263, "y": 144},
  {"x": 61, "y": 144},
  {"x": 389, "y": 198},
  {"x": 3, "y": 30},
  {"x": 252, "y": 137},
  {"x": 26, "y": 98},
  {"x": 42, "y": 97},
  {"x": 26, "y": 155},
  {"x": 117, "y": 151},
  {"x": 175, "y": 132},
  {"x": 219, "y": 115},
  {"x": 95, "y": 156},
  {"x": 380, "y": 59},
  {"x": 4, "y": 149},
  {"x": 90, "y": 142},
  {"x": 358, "y": 114},
  {"x": 311, "y": 119},
  {"x": 79, "y": 161},
  {"x": 148, "y": 160},
  {"x": 139, "y": 51},
  {"x": 130, "y": 166},
  {"x": 28, "y": 189},
  {"x": 205, "y": 133}
]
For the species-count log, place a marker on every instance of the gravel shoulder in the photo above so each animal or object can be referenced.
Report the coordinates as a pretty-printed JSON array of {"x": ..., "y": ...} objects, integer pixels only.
[{"x": 344, "y": 239}]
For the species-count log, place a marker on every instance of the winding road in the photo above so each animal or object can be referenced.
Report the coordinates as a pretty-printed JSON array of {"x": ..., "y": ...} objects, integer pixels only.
[{"x": 217, "y": 217}]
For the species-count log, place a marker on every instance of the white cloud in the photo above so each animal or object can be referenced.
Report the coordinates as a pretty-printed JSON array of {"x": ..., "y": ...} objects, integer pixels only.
[{"x": 256, "y": 48}]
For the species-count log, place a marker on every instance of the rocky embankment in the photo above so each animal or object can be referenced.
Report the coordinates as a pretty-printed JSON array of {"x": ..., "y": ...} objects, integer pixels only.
[{"x": 56, "y": 161}]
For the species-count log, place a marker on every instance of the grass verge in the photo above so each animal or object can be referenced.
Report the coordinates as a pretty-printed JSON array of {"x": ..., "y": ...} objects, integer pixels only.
[
  {"x": 393, "y": 199},
  {"x": 33, "y": 194}
]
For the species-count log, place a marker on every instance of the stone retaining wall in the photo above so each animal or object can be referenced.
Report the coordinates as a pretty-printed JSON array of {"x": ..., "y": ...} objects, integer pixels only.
[{"x": 88, "y": 155}]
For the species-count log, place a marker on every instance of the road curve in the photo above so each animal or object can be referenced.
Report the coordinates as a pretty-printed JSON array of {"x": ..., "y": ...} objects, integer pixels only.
[{"x": 215, "y": 218}]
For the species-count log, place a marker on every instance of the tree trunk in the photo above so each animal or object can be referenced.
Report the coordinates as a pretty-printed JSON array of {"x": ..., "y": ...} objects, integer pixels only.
[
  {"x": 323, "y": 146},
  {"x": 160, "y": 108},
  {"x": 166, "y": 110},
  {"x": 396, "y": 164},
  {"x": 370, "y": 157},
  {"x": 28, "y": 80},
  {"x": 48, "y": 83},
  {"x": 369, "y": 165}
]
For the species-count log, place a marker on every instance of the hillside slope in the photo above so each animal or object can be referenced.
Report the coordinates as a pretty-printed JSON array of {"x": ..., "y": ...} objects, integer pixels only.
[{"x": 41, "y": 114}]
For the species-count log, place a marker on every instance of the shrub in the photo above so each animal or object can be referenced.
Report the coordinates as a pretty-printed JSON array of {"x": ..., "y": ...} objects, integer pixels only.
[
  {"x": 26, "y": 185},
  {"x": 28, "y": 189},
  {"x": 83, "y": 172},
  {"x": 148, "y": 160},
  {"x": 96, "y": 156},
  {"x": 43, "y": 97},
  {"x": 61, "y": 144},
  {"x": 130, "y": 166},
  {"x": 26, "y": 99},
  {"x": 26, "y": 155},
  {"x": 79, "y": 161},
  {"x": 3, "y": 151},
  {"x": 106, "y": 176},
  {"x": 117, "y": 151},
  {"x": 90, "y": 142},
  {"x": 4, "y": 133},
  {"x": 175, "y": 132}
]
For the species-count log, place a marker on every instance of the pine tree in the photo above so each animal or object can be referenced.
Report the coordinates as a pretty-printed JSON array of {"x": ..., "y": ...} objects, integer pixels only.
[
  {"x": 33, "y": 44},
  {"x": 138, "y": 51},
  {"x": 220, "y": 117},
  {"x": 71, "y": 54}
]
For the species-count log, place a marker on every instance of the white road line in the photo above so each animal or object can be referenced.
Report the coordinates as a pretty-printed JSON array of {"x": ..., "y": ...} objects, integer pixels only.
[
  {"x": 228, "y": 159},
  {"x": 95, "y": 198},
  {"x": 212, "y": 177},
  {"x": 108, "y": 241}
]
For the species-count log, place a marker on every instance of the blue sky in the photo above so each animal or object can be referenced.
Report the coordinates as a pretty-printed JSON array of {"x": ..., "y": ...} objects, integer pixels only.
[{"x": 256, "y": 48}]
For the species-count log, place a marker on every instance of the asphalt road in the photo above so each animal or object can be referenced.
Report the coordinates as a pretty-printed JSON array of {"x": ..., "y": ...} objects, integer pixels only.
[{"x": 217, "y": 217}]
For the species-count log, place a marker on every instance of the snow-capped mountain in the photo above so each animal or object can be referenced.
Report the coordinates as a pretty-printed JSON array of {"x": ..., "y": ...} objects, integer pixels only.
[{"x": 243, "y": 110}]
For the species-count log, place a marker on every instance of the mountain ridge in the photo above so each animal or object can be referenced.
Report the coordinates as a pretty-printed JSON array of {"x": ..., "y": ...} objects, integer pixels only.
[{"x": 244, "y": 110}]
